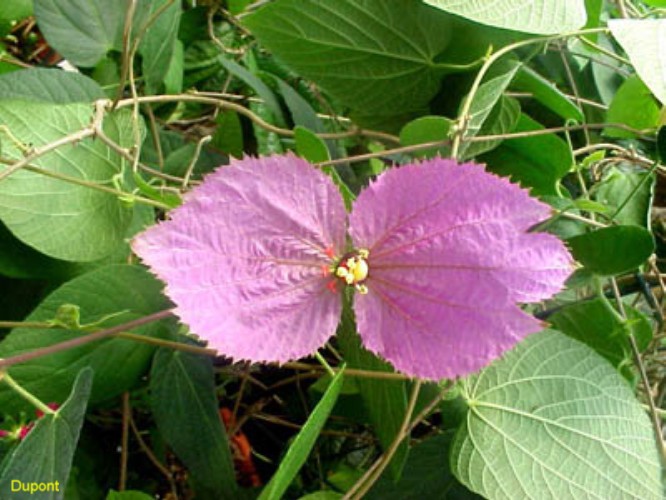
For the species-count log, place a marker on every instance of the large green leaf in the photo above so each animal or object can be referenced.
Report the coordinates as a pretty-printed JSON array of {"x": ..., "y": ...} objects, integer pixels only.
[
  {"x": 83, "y": 31},
  {"x": 612, "y": 250},
  {"x": 61, "y": 219},
  {"x": 49, "y": 85},
  {"x": 531, "y": 16},
  {"x": 129, "y": 292},
  {"x": 185, "y": 408},
  {"x": 303, "y": 443},
  {"x": 45, "y": 455},
  {"x": 537, "y": 162},
  {"x": 594, "y": 324},
  {"x": 551, "y": 420},
  {"x": 644, "y": 41},
  {"x": 376, "y": 57},
  {"x": 14, "y": 10}
]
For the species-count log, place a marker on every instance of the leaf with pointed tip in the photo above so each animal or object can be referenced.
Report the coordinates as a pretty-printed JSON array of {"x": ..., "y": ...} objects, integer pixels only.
[
  {"x": 46, "y": 453},
  {"x": 376, "y": 57},
  {"x": 552, "y": 419}
]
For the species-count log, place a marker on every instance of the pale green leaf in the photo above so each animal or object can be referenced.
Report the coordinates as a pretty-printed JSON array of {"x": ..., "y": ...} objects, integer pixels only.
[
  {"x": 49, "y": 85},
  {"x": 531, "y": 16},
  {"x": 502, "y": 120},
  {"x": 424, "y": 130},
  {"x": 644, "y": 41},
  {"x": 58, "y": 218},
  {"x": 553, "y": 420}
]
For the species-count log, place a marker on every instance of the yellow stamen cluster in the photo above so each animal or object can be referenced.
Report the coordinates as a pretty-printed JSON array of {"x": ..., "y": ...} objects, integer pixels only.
[{"x": 354, "y": 270}]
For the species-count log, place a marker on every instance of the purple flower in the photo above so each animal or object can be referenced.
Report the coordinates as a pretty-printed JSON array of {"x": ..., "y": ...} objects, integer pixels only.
[{"x": 257, "y": 256}]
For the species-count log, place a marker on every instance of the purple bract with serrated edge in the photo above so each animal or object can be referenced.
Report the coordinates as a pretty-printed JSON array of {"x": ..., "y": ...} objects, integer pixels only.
[{"x": 250, "y": 261}]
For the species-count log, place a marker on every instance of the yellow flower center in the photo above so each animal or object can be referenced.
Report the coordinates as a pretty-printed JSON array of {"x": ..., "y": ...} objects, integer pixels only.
[{"x": 354, "y": 270}]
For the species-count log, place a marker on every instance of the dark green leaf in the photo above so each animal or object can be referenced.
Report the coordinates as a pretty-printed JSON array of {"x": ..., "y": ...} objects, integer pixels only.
[
  {"x": 49, "y": 85},
  {"x": 537, "y": 162},
  {"x": 158, "y": 44},
  {"x": 661, "y": 144},
  {"x": 385, "y": 401},
  {"x": 612, "y": 250},
  {"x": 128, "y": 495},
  {"x": 594, "y": 324},
  {"x": 426, "y": 476},
  {"x": 45, "y": 456},
  {"x": 553, "y": 419},
  {"x": 126, "y": 293},
  {"x": 302, "y": 445},
  {"x": 186, "y": 411},
  {"x": 342, "y": 46},
  {"x": 528, "y": 80},
  {"x": 228, "y": 136}
]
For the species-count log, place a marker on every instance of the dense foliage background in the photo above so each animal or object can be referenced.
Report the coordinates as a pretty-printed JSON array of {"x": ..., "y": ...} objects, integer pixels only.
[{"x": 564, "y": 97}]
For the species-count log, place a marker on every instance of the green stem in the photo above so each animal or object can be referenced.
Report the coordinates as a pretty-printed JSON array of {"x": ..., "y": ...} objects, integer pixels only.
[
  {"x": 324, "y": 363},
  {"x": 33, "y": 400}
]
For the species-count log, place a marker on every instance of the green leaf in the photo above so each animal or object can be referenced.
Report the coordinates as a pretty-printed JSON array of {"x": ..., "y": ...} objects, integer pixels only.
[
  {"x": 426, "y": 129},
  {"x": 58, "y": 218},
  {"x": 49, "y": 85},
  {"x": 385, "y": 401},
  {"x": 528, "y": 80},
  {"x": 173, "y": 79},
  {"x": 158, "y": 44},
  {"x": 21, "y": 261},
  {"x": 14, "y": 10},
  {"x": 119, "y": 293},
  {"x": 594, "y": 324},
  {"x": 552, "y": 419},
  {"x": 45, "y": 456},
  {"x": 612, "y": 250},
  {"x": 655, "y": 3},
  {"x": 628, "y": 193},
  {"x": 502, "y": 119},
  {"x": 488, "y": 94},
  {"x": 543, "y": 17},
  {"x": 343, "y": 46},
  {"x": 537, "y": 162},
  {"x": 426, "y": 475},
  {"x": 643, "y": 41},
  {"x": 184, "y": 404},
  {"x": 309, "y": 146},
  {"x": 83, "y": 31},
  {"x": 303, "y": 443},
  {"x": 634, "y": 106}
]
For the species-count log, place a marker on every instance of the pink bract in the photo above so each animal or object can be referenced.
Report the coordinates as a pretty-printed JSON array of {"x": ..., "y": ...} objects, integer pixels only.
[{"x": 248, "y": 261}]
